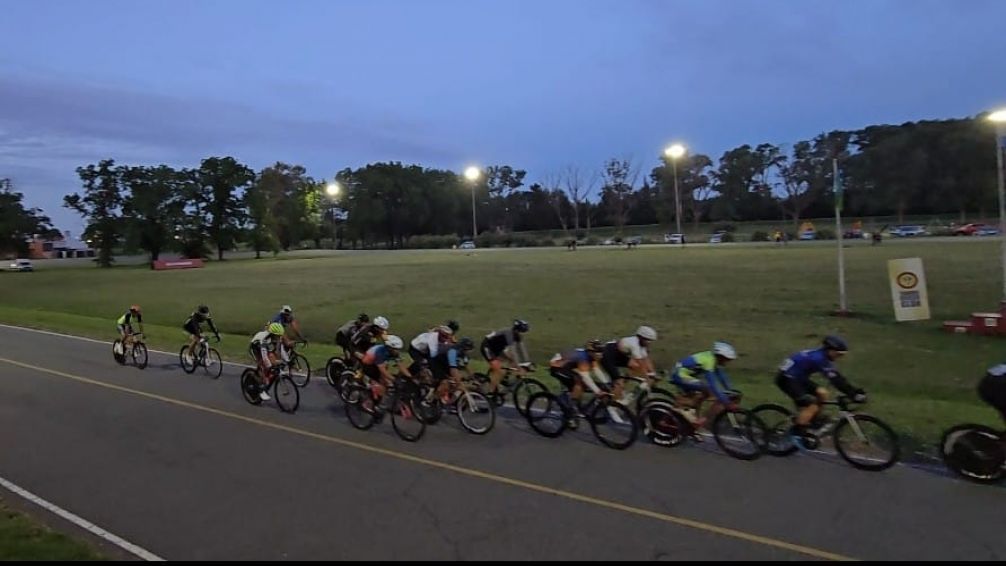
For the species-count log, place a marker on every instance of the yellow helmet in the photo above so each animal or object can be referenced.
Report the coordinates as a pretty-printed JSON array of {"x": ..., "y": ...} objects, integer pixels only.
[{"x": 277, "y": 329}]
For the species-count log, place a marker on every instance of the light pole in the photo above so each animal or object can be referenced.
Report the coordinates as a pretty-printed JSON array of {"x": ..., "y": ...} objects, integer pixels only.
[
  {"x": 472, "y": 174},
  {"x": 675, "y": 152},
  {"x": 332, "y": 189},
  {"x": 999, "y": 119}
]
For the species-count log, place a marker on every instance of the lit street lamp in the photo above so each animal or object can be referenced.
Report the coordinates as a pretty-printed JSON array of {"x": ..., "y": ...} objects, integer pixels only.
[
  {"x": 999, "y": 119},
  {"x": 472, "y": 174},
  {"x": 675, "y": 152},
  {"x": 332, "y": 189}
]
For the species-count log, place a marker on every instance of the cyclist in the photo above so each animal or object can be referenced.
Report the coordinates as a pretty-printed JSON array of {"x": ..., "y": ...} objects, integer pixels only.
[
  {"x": 709, "y": 365},
  {"x": 263, "y": 348},
  {"x": 344, "y": 335},
  {"x": 194, "y": 326},
  {"x": 794, "y": 380},
  {"x": 631, "y": 353},
  {"x": 574, "y": 368},
  {"x": 125, "y": 326},
  {"x": 286, "y": 318},
  {"x": 375, "y": 366},
  {"x": 449, "y": 366},
  {"x": 505, "y": 345},
  {"x": 992, "y": 389},
  {"x": 428, "y": 345},
  {"x": 369, "y": 334}
]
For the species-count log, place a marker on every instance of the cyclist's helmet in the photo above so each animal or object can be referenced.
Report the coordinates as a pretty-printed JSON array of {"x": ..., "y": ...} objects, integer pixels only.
[
  {"x": 287, "y": 309},
  {"x": 135, "y": 308},
  {"x": 594, "y": 346},
  {"x": 835, "y": 343},
  {"x": 394, "y": 342},
  {"x": 646, "y": 333},
  {"x": 363, "y": 318},
  {"x": 453, "y": 325},
  {"x": 276, "y": 329},
  {"x": 203, "y": 309},
  {"x": 724, "y": 350},
  {"x": 521, "y": 325},
  {"x": 381, "y": 323},
  {"x": 466, "y": 343}
]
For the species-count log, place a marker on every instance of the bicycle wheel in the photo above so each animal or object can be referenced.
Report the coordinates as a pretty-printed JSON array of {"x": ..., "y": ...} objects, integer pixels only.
[
  {"x": 654, "y": 394},
  {"x": 663, "y": 425},
  {"x": 250, "y": 387},
  {"x": 866, "y": 442},
  {"x": 346, "y": 379},
  {"x": 523, "y": 391},
  {"x": 287, "y": 393},
  {"x": 212, "y": 364},
  {"x": 121, "y": 358},
  {"x": 614, "y": 425},
  {"x": 429, "y": 406},
  {"x": 406, "y": 421},
  {"x": 300, "y": 370},
  {"x": 974, "y": 452},
  {"x": 740, "y": 434},
  {"x": 475, "y": 412},
  {"x": 333, "y": 370},
  {"x": 140, "y": 357},
  {"x": 353, "y": 395},
  {"x": 545, "y": 414},
  {"x": 778, "y": 421},
  {"x": 188, "y": 363}
]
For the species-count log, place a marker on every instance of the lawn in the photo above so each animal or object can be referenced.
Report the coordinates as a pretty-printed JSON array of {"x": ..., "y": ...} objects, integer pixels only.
[
  {"x": 22, "y": 538},
  {"x": 768, "y": 301}
]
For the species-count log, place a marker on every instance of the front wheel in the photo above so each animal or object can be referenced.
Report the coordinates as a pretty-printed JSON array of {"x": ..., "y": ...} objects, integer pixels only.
[
  {"x": 406, "y": 421},
  {"x": 740, "y": 434},
  {"x": 140, "y": 357},
  {"x": 866, "y": 442},
  {"x": 212, "y": 364},
  {"x": 523, "y": 391},
  {"x": 974, "y": 452},
  {"x": 353, "y": 395},
  {"x": 287, "y": 394},
  {"x": 300, "y": 370},
  {"x": 475, "y": 412}
]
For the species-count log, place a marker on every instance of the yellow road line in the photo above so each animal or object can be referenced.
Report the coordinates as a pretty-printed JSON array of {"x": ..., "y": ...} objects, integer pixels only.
[{"x": 724, "y": 531}]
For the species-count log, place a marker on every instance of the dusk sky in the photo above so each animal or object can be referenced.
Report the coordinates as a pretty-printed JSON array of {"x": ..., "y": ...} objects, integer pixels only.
[{"x": 532, "y": 83}]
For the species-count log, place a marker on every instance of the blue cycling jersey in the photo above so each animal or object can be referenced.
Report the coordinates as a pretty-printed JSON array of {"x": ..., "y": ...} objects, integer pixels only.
[
  {"x": 802, "y": 365},
  {"x": 377, "y": 355}
]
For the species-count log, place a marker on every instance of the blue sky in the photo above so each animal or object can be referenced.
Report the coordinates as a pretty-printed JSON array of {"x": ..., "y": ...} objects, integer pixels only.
[{"x": 535, "y": 84}]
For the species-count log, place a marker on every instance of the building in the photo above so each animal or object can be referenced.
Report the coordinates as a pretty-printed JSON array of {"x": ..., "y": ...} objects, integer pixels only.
[{"x": 58, "y": 248}]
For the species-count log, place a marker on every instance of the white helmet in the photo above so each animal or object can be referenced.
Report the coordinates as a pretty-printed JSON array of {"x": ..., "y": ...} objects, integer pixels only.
[
  {"x": 724, "y": 350},
  {"x": 646, "y": 332},
  {"x": 381, "y": 323},
  {"x": 287, "y": 309},
  {"x": 394, "y": 342}
]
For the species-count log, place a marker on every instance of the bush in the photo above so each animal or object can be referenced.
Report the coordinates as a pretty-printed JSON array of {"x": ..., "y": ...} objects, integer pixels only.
[
  {"x": 760, "y": 236},
  {"x": 489, "y": 240},
  {"x": 728, "y": 237},
  {"x": 431, "y": 242},
  {"x": 546, "y": 242},
  {"x": 591, "y": 241},
  {"x": 825, "y": 234},
  {"x": 581, "y": 235},
  {"x": 725, "y": 227}
]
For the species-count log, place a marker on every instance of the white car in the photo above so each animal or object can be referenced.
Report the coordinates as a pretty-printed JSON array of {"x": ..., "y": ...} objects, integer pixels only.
[
  {"x": 674, "y": 238},
  {"x": 21, "y": 265},
  {"x": 716, "y": 238},
  {"x": 905, "y": 231},
  {"x": 467, "y": 245},
  {"x": 608, "y": 242}
]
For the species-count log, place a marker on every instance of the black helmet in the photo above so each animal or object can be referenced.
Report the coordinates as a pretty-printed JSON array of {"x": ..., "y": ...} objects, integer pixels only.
[
  {"x": 363, "y": 318},
  {"x": 203, "y": 309},
  {"x": 521, "y": 325},
  {"x": 453, "y": 325},
  {"x": 466, "y": 343},
  {"x": 835, "y": 343},
  {"x": 594, "y": 346}
]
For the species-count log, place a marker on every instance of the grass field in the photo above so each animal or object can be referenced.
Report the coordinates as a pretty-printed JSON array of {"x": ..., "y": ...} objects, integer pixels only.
[
  {"x": 23, "y": 539},
  {"x": 768, "y": 301}
]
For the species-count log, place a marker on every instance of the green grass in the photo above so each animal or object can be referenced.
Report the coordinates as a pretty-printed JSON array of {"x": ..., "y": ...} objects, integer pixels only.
[
  {"x": 22, "y": 538},
  {"x": 768, "y": 301}
]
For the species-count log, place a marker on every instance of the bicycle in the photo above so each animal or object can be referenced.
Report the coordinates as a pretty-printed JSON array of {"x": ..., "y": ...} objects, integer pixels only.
[
  {"x": 851, "y": 432},
  {"x": 286, "y": 393},
  {"x": 612, "y": 423},
  {"x": 400, "y": 400},
  {"x": 520, "y": 391},
  {"x": 298, "y": 366},
  {"x": 975, "y": 452},
  {"x": 475, "y": 412},
  {"x": 205, "y": 356},
  {"x": 336, "y": 368},
  {"x": 138, "y": 350}
]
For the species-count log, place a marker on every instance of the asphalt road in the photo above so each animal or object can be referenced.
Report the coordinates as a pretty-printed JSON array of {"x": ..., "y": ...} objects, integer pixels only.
[{"x": 181, "y": 465}]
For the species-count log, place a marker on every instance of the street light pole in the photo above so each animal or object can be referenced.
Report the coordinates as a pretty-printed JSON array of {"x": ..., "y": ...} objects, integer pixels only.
[
  {"x": 475, "y": 229},
  {"x": 472, "y": 174},
  {"x": 1000, "y": 133},
  {"x": 677, "y": 195}
]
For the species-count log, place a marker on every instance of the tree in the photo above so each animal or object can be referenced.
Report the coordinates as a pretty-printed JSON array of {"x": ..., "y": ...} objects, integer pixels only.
[
  {"x": 552, "y": 184},
  {"x": 694, "y": 184},
  {"x": 101, "y": 205},
  {"x": 619, "y": 176},
  {"x": 154, "y": 207},
  {"x": 502, "y": 181},
  {"x": 259, "y": 202},
  {"x": 19, "y": 224},
  {"x": 578, "y": 186},
  {"x": 222, "y": 178}
]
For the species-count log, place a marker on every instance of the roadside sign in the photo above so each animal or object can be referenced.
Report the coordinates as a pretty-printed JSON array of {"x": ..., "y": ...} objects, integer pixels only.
[{"x": 908, "y": 289}]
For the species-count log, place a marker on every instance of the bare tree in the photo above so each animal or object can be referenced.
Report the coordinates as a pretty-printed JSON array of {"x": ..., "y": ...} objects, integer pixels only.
[
  {"x": 579, "y": 184},
  {"x": 552, "y": 182},
  {"x": 619, "y": 177}
]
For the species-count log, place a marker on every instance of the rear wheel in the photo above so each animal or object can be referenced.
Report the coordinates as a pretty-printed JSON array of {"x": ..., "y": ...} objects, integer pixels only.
[
  {"x": 353, "y": 395},
  {"x": 614, "y": 425},
  {"x": 333, "y": 370},
  {"x": 867, "y": 442},
  {"x": 250, "y": 387},
  {"x": 187, "y": 361},
  {"x": 300, "y": 370},
  {"x": 545, "y": 414},
  {"x": 140, "y": 357},
  {"x": 740, "y": 434},
  {"x": 116, "y": 348},
  {"x": 406, "y": 421},
  {"x": 975, "y": 452},
  {"x": 778, "y": 421},
  {"x": 523, "y": 391},
  {"x": 663, "y": 425}
]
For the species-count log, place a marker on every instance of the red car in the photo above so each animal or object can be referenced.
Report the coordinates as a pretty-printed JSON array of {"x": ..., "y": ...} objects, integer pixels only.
[{"x": 968, "y": 229}]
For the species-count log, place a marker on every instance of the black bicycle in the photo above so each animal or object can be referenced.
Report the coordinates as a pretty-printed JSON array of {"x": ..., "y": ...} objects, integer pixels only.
[
  {"x": 284, "y": 390},
  {"x": 611, "y": 422},
  {"x": 364, "y": 408},
  {"x": 519, "y": 387},
  {"x": 336, "y": 368},
  {"x": 202, "y": 356},
  {"x": 975, "y": 452},
  {"x": 298, "y": 366},
  {"x": 137, "y": 350},
  {"x": 864, "y": 441}
]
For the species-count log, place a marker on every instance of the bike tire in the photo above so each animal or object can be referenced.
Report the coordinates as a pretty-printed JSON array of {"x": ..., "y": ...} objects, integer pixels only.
[
  {"x": 333, "y": 370},
  {"x": 140, "y": 356},
  {"x": 546, "y": 415},
  {"x": 523, "y": 391},
  {"x": 406, "y": 420},
  {"x": 352, "y": 396},
  {"x": 120, "y": 358},
  {"x": 475, "y": 412},
  {"x": 604, "y": 425},
  {"x": 778, "y": 421},
  {"x": 250, "y": 387},
  {"x": 662, "y": 424},
  {"x": 749, "y": 430},
  {"x": 974, "y": 452},
  {"x": 300, "y": 370},
  {"x": 212, "y": 364},
  {"x": 890, "y": 454},
  {"x": 181, "y": 360},
  {"x": 287, "y": 394}
]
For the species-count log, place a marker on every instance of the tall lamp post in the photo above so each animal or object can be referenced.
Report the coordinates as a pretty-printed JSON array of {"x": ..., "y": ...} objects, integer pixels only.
[
  {"x": 675, "y": 152},
  {"x": 332, "y": 189},
  {"x": 472, "y": 174},
  {"x": 999, "y": 119}
]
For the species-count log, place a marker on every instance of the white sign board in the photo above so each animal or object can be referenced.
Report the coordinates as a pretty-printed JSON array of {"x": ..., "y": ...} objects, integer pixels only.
[{"x": 908, "y": 289}]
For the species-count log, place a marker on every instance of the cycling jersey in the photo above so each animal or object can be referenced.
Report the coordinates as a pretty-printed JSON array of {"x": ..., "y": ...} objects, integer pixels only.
[
  {"x": 193, "y": 324},
  {"x": 618, "y": 353},
  {"x": 282, "y": 319},
  {"x": 378, "y": 355},
  {"x": 568, "y": 365},
  {"x": 495, "y": 343},
  {"x": 704, "y": 363},
  {"x": 427, "y": 343},
  {"x": 802, "y": 365},
  {"x": 262, "y": 344},
  {"x": 125, "y": 319}
]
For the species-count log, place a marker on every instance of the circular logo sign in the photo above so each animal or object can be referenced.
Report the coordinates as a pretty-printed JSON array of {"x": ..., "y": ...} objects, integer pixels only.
[{"x": 907, "y": 280}]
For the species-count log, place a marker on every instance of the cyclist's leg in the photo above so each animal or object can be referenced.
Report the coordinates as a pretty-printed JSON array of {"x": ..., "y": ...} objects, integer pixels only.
[
  {"x": 804, "y": 397},
  {"x": 992, "y": 390}
]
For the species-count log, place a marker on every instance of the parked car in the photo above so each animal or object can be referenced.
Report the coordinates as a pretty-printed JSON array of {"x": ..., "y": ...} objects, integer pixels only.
[
  {"x": 907, "y": 231},
  {"x": 467, "y": 245},
  {"x": 968, "y": 229},
  {"x": 611, "y": 241},
  {"x": 634, "y": 240},
  {"x": 674, "y": 238},
  {"x": 987, "y": 231},
  {"x": 717, "y": 237},
  {"x": 853, "y": 234},
  {"x": 20, "y": 265},
  {"x": 808, "y": 235}
]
